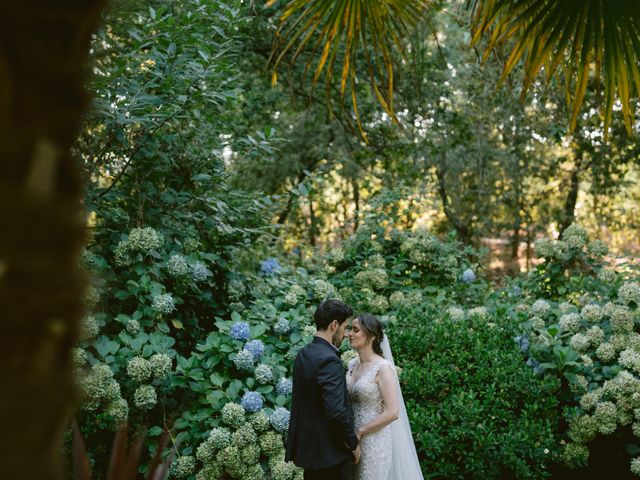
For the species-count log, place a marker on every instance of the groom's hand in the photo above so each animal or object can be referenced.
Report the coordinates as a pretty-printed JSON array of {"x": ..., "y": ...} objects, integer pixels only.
[{"x": 357, "y": 453}]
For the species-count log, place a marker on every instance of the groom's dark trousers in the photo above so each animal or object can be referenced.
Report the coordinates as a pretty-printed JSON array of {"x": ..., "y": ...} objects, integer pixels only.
[{"x": 321, "y": 434}]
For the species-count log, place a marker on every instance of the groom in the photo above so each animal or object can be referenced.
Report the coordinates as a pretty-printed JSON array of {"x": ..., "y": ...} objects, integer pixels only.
[{"x": 321, "y": 437}]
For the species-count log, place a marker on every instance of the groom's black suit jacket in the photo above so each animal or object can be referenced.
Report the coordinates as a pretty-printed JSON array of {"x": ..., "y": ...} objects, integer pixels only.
[{"x": 321, "y": 432}]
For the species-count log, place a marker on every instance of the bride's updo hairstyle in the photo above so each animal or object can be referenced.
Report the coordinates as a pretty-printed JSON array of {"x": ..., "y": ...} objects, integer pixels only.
[{"x": 372, "y": 328}]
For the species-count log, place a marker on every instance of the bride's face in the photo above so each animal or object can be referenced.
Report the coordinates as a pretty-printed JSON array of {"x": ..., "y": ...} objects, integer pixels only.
[{"x": 357, "y": 337}]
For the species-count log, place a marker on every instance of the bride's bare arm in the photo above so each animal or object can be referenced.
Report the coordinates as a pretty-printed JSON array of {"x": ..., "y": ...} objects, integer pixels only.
[{"x": 386, "y": 380}]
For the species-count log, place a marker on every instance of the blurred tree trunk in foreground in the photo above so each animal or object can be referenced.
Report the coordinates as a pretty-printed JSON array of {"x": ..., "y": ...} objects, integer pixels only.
[{"x": 43, "y": 51}]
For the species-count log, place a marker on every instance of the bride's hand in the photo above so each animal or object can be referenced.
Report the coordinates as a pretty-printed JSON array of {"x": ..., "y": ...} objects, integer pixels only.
[{"x": 359, "y": 434}]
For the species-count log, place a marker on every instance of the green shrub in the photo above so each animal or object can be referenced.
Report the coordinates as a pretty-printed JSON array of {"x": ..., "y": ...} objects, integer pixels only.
[{"x": 477, "y": 410}]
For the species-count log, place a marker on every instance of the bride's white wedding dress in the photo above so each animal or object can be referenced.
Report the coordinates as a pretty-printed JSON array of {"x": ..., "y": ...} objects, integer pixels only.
[
  {"x": 366, "y": 399},
  {"x": 389, "y": 453}
]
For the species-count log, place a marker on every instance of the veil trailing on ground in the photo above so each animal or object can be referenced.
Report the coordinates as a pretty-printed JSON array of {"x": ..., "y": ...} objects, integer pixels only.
[{"x": 404, "y": 463}]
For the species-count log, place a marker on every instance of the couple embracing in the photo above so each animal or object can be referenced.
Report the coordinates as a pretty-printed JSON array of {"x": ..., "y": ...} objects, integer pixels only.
[{"x": 351, "y": 426}]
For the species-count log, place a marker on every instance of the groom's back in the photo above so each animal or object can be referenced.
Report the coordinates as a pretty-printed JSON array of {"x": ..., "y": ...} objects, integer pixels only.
[{"x": 315, "y": 439}]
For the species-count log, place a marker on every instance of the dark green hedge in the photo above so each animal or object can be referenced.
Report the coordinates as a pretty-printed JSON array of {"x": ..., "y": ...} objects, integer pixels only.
[{"x": 477, "y": 410}]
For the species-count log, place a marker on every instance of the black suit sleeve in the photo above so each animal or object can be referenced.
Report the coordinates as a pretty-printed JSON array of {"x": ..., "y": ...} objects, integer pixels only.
[{"x": 331, "y": 380}]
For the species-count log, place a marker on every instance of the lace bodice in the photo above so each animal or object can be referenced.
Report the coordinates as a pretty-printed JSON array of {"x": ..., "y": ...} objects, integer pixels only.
[{"x": 367, "y": 401}]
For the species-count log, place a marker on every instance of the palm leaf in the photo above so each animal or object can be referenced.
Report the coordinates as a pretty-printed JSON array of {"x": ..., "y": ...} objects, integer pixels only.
[
  {"x": 371, "y": 29},
  {"x": 591, "y": 39}
]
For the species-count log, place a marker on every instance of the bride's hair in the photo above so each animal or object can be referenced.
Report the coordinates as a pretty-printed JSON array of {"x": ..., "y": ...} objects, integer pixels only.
[{"x": 372, "y": 327}]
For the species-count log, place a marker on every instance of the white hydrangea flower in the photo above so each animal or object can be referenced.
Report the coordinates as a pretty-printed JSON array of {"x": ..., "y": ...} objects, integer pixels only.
[
  {"x": 540, "y": 308},
  {"x": 538, "y": 323},
  {"x": 629, "y": 292},
  {"x": 347, "y": 356},
  {"x": 139, "y": 369},
  {"x": 620, "y": 318},
  {"x": 635, "y": 466},
  {"x": 376, "y": 261},
  {"x": 575, "y": 236},
  {"x": 199, "y": 272},
  {"x": 263, "y": 374},
  {"x": 595, "y": 335},
  {"x": 607, "y": 276},
  {"x": 480, "y": 312},
  {"x": 161, "y": 364},
  {"x": 569, "y": 322},
  {"x": 592, "y": 313},
  {"x": 587, "y": 361},
  {"x": 597, "y": 249},
  {"x": 397, "y": 299},
  {"x": 566, "y": 307},
  {"x": 455, "y": 313},
  {"x": 630, "y": 359},
  {"x": 579, "y": 342},
  {"x": 309, "y": 330},
  {"x": 89, "y": 328},
  {"x": 144, "y": 240},
  {"x": 133, "y": 326},
  {"x": 378, "y": 304},
  {"x": 163, "y": 304},
  {"x": 606, "y": 414},
  {"x": 145, "y": 397},
  {"x": 321, "y": 288},
  {"x": 545, "y": 248},
  {"x": 606, "y": 352},
  {"x": 177, "y": 266},
  {"x": 589, "y": 400}
]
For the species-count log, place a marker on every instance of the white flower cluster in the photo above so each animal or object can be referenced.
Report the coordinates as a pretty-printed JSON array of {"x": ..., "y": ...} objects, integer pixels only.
[
  {"x": 161, "y": 364},
  {"x": 199, "y": 272},
  {"x": 263, "y": 374},
  {"x": 177, "y": 266},
  {"x": 479, "y": 312},
  {"x": 99, "y": 387},
  {"x": 184, "y": 466},
  {"x": 397, "y": 299},
  {"x": 629, "y": 293},
  {"x": 455, "y": 313},
  {"x": 133, "y": 326},
  {"x": 295, "y": 294},
  {"x": 282, "y": 326},
  {"x": 592, "y": 313},
  {"x": 139, "y": 369},
  {"x": 550, "y": 249},
  {"x": 141, "y": 240},
  {"x": 244, "y": 360},
  {"x": 78, "y": 357},
  {"x": 540, "y": 308},
  {"x": 373, "y": 278},
  {"x": 575, "y": 236},
  {"x": 145, "y": 397},
  {"x": 163, "y": 304},
  {"x": 89, "y": 328},
  {"x": 347, "y": 356},
  {"x": 570, "y": 322},
  {"x": 597, "y": 249},
  {"x": 321, "y": 288},
  {"x": 378, "y": 304}
]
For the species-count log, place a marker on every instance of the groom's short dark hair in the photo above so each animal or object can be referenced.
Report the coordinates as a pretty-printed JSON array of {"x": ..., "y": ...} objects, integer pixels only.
[{"x": 331, "y": 310}]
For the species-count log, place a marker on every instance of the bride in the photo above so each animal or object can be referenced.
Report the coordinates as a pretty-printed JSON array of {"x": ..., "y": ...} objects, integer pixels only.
[{"x": 381, "y": 422}]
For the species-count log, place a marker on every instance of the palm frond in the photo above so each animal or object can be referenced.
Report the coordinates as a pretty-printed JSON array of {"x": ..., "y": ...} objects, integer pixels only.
[
  {"x": 590, "y": 39},
  {"x": 370, "y": 29}
]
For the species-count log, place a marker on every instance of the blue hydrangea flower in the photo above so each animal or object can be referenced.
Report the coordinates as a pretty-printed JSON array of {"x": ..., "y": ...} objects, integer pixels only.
[
  {"x": 270, "y": 266},
  {"x": 515, "y": 292},
  {"x": 256, "y": 347},
  {"x": 282, "y": 326},
  {"x": 284, "y": 387},
  {"x": 252, "y": 402},
  {"x": 468, "y": 276},
  {"x": 533, "y": 363},
  {"x": 280, "y": 419},
  {"x": 523, "y": 343},
  {"x": 240, "y": 331}
]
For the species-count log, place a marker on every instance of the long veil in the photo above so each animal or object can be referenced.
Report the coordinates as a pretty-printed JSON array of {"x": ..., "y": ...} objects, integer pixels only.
[{"x": 404, "y": 463}]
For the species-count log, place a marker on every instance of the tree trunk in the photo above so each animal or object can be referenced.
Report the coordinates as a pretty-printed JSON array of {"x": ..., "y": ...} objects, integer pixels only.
[
  {"x": 569, "y": 213},
  {"x": 356, "y": 202},
  {"x": 312, "y": 223},
  {"x": 43, "y": 52},
  {"x": 462, "y": 230}
]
